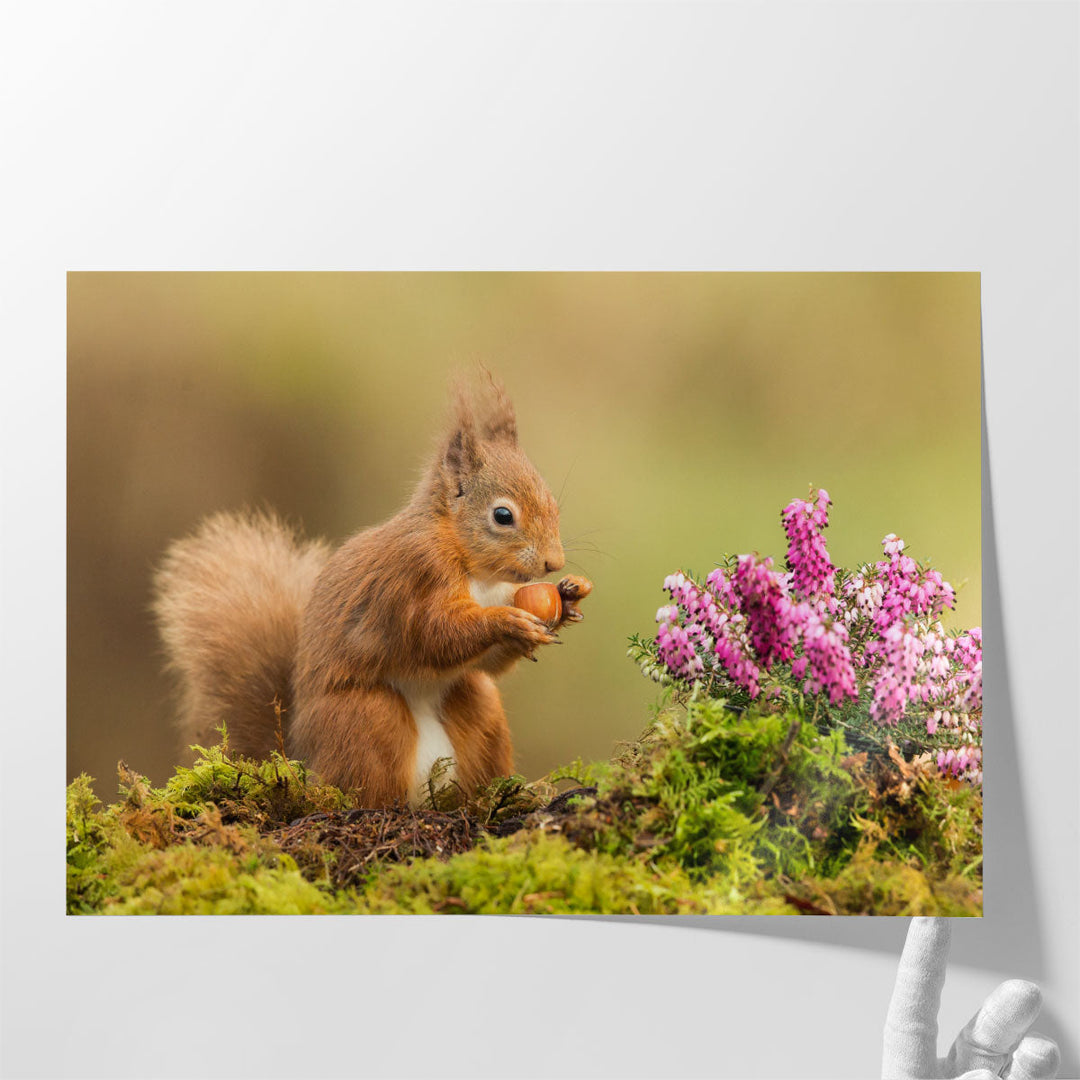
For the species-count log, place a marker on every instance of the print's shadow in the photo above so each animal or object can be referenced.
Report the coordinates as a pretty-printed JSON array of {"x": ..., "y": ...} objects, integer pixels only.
[{"x": 1008, "y": 938}]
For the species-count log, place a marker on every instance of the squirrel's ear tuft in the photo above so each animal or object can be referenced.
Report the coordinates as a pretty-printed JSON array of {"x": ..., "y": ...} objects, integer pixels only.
[
  {"x": 461, "y": 457},
  {"x": 462, "y": 454},
  {"x": 500, "y": 422}
]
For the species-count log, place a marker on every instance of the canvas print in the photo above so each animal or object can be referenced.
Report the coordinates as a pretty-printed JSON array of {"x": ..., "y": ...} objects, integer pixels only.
[{"x": 535, "y": 593}]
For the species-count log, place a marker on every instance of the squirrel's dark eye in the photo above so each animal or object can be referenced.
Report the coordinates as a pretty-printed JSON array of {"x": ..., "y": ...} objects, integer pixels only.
[{"x": 503, "y": 516}]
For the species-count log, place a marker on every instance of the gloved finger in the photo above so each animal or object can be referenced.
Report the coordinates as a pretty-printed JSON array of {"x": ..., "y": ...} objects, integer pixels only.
[
  {"x": 1036, "y": 1058},
  {"x": 911, "y": 1023},
  {"x": 979, "y": 1074},
  {"x": 990, "y": 1036}
]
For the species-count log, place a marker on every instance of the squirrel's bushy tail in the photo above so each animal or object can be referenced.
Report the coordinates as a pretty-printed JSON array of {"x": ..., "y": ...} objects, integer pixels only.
[{"x": 228, "y": 601}]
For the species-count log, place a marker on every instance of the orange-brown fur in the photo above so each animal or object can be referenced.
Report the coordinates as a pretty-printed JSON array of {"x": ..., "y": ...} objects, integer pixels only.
[
  {"x": 227, "y": 601},
  {"x": 251, "y": 615}
]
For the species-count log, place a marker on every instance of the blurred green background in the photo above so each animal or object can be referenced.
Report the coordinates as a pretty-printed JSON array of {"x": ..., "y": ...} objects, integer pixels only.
[{"x": 676, "y": 414}]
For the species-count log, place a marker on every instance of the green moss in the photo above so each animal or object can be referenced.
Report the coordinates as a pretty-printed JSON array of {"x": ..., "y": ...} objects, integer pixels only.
[
  {"x": 716, "y": 808},
  {"x": 537, "y": 873},
  {"x": 87, "y": 841},
  {"x": 872, "y": 886},
  {"x": 157, "y": 852},
  {"x": 276, "y": 790},
  {"x": 723, "y": 792},
  {"x": 190, "y": 880}
]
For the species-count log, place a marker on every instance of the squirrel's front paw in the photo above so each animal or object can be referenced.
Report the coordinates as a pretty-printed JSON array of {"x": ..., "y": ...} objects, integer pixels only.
[
  {"x": 523, "y": 630},
  {"x": 573, "y": 589}
]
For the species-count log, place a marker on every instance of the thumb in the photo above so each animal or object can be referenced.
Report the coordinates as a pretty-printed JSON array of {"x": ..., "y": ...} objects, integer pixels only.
[{"x": 990, "y": 1036}]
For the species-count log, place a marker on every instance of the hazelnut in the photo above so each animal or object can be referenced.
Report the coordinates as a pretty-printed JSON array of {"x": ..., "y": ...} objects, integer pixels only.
[{"x": 541, "y": 599}]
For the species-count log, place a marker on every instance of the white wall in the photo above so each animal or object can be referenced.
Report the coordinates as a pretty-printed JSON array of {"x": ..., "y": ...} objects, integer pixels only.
[{"x": 524, "y": 135}]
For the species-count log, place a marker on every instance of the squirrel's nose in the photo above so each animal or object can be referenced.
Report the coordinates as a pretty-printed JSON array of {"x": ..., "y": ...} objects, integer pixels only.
[{"x": 555, "y": 560}]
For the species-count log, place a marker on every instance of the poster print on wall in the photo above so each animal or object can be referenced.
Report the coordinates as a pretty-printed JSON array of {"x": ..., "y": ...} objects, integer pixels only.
[{"x": 754, "y": 499}]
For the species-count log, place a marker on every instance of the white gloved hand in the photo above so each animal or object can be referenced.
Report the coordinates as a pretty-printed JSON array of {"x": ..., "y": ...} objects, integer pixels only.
[{"x": 995, "y": 1042}]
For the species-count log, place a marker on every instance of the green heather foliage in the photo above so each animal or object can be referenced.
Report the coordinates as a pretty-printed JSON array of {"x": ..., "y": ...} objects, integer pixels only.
[{"x": 716, "y": 808}]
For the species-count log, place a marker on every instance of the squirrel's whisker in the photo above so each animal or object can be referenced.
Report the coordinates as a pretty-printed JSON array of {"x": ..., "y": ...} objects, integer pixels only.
[
  {"x": 592, "y": 551},
  {"x": 589, "y": 532},
  {"x": 562, "y": 486},
  {"x": 577, "y": 565}
]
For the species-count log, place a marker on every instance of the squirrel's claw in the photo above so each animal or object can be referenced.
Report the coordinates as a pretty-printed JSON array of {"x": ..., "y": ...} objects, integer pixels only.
[
  {"x": 526, "y": 631},
  {"x": 574, "y": 587}
]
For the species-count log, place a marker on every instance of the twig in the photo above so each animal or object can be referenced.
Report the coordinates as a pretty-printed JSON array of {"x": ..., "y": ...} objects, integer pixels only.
[
  {"x": 279, "y": 731},
  {"x": 774, "y": 776}
]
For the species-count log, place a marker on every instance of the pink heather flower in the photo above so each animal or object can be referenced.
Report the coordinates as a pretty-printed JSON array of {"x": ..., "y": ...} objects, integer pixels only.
[
  {"x": 770, "y": 616},
  {"x": 894, "y": 686},
  {"x": 862, "y": 598},
  {"x": 722, "y": 589},
  {"x": 736, "y": 661},
  {"x": 675, "y": 646},
  {"x": 826, "y": 655},
  {"x": 882, "y": 628},
  {"x": 972, "y": 698},
  {"x": 965, "y": 684},
  {"x": 963, "y": 762},
  {"x": 812, "y": 572},
  {"x": 969, "y": 649},
  {"x": 907, "y": 590},
  {"x": 698, "y": 622}
]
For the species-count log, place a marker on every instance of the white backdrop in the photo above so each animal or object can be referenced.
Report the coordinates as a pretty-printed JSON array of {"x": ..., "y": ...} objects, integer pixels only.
[{"x": 543, "y": 135}]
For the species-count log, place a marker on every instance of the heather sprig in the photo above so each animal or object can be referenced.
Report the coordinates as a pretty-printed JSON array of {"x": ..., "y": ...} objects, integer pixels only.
[
  {"x": 870, "y": 639},
  {"x": 805, "y": 523}
]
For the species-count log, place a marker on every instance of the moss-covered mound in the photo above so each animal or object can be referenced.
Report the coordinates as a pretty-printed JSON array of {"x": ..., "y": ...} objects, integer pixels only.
[{"x": 713, "y": 810}]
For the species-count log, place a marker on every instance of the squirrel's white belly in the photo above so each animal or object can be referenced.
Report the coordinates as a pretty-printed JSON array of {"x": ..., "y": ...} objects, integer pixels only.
[
  {"x": 424, "y": 699},
  {"x": 432, "y": 742},
  {"x": 491, "y": 593}
]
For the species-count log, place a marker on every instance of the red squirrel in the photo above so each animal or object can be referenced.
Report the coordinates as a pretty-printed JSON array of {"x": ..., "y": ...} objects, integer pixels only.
[{"x": 378, "y": 657}]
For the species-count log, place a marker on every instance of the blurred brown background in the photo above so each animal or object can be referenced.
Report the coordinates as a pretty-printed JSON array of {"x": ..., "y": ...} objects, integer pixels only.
[{"x": 676, "y": 413}]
